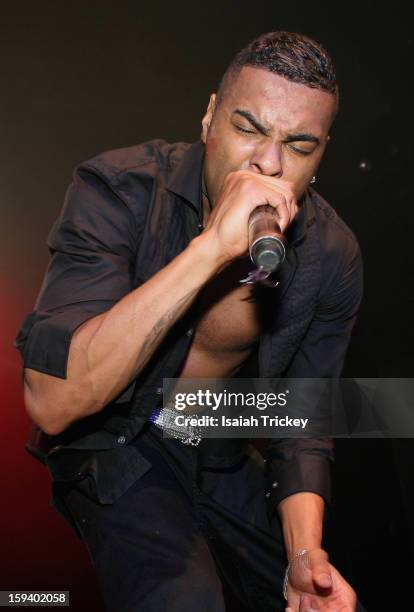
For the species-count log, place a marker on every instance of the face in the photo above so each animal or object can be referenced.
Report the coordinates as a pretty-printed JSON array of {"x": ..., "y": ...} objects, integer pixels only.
[{"x": 267, "y": 124}]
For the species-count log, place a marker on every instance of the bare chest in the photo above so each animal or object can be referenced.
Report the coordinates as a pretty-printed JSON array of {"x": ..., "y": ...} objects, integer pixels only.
[{"x": 228, "y": 326}]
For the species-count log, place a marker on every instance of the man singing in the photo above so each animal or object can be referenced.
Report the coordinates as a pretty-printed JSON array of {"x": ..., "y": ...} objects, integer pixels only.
[{"x": 142, "y": 285}]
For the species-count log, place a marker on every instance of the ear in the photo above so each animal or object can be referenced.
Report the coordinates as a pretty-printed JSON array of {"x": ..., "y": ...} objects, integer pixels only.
[{"x": 205, "y": 123}]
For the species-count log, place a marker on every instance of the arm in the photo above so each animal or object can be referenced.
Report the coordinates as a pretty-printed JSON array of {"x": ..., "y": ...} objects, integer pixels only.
[
  {"x": 142, "y": 318},
  {"x": 302, "y": 519},
  {"x": 302, "y": 466},
  {"x": 92, "y": 247},
  {"x": 88, "y": 323}
]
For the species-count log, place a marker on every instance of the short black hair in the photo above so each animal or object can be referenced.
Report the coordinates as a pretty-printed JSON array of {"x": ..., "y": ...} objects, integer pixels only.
[{"x": 294, "y": 56}]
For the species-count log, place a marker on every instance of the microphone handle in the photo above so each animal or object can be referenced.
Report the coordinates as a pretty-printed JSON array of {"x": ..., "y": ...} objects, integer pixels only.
[{"x": 266, "y": 242}]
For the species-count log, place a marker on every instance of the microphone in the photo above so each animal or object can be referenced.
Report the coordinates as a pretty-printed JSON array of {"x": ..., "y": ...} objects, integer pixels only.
[{"x": 266, "y": 241}]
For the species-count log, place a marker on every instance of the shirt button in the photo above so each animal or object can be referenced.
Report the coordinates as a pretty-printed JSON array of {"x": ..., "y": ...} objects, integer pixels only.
[
  {"x": 275, "y": 484},
  {"x": 267, "y": 494},
  {"x": 189, "y": 332},
  {"x": 200, "y": 227},
  {"x": 159, "y": 390},
  {"x": 121, "y": 439}
]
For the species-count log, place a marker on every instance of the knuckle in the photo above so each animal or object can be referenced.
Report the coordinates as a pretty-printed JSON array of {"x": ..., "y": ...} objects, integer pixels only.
[
  {"x": 282, "y": 201},
  {"x": 290, "y": 186},
  {"x": 290, "y": 193},
  {"x": 245, "y": 178},
  {"x": 246, "y": 184},
  {"x": 229, "y": 177},
  {"x": 237, "y": 177}
]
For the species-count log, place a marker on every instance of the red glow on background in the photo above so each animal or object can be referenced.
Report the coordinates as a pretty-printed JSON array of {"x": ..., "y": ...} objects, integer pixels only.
[{"x": 38, "y": 549}]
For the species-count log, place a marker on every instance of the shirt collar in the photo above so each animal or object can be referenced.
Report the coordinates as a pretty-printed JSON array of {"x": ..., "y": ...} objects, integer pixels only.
[{"x": 185, "y": 181}]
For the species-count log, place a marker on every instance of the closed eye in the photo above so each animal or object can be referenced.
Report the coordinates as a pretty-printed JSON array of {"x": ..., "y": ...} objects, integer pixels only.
[
  {"x": 241, "y": 129},
  {"x": 300, "y": 151}
]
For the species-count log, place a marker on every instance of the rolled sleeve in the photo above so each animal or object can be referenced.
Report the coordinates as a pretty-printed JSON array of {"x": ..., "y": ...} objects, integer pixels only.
[
  {"x": 45, "y": 336},
  {"x": 91, "y": 245},
  {"x": 296, "y": 465}
]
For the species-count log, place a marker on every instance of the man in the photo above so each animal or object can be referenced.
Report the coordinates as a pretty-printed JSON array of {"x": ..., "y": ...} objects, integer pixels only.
[{"x": 143, "y": 285}]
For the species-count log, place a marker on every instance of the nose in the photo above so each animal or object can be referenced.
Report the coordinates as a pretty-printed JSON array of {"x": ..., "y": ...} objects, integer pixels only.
[{"x": 267, "y": 159}]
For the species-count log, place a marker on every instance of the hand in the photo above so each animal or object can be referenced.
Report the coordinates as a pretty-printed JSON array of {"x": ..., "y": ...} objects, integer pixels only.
[
  {"x": 314, "y": 584},
  {"x": 242, "y": 192}
]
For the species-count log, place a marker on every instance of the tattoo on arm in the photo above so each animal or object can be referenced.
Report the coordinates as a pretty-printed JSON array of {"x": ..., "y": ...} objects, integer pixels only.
[{"x": 161, "y": 326}]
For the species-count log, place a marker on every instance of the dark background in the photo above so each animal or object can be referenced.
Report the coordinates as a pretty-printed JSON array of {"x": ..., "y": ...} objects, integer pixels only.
[{"x": 79, "y": 78}]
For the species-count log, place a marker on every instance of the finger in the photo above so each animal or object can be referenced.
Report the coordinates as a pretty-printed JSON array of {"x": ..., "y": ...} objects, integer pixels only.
[
  {"x": 293, "y": 601},
  {"x": 314, "y": 604},
  {"x": 279, "y": 184},
  {"x": 308, "y": 608},
  {"x": 278, "y": 194},
  {"x": 321, "y": 575},
  {"x": 281, "y": 199},
  {"x": 280, "y": 204},
  {"x": 320, "y": 571},
  {"x": 291, "y": 202},
  {"x": 305, "y": 603},
  {"x": 292, "y": 206},
  {"x": 323, "y": 580},
  {"x": 293, "y": 209},
  {"x": 289, "y": 198}
]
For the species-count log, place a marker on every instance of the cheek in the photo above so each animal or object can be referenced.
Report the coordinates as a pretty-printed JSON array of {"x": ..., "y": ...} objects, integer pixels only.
[
  {"x": 214, "y": 154},
  {"x": 229, "y": 155},
  {"x": 221, "y": 158},
  {"x": 301, "y": 166},
  {"x": 214, "y": 167},
  {"x": 213, "y": 159}
]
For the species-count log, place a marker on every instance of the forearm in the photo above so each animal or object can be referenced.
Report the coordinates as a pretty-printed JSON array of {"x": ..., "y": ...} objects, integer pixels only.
[
  {"x": 109, "y": 350},
  {"x": 302, "y": 519}
]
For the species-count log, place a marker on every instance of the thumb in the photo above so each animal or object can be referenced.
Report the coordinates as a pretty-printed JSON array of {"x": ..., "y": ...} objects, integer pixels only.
[{"x": 321, "y": 575}]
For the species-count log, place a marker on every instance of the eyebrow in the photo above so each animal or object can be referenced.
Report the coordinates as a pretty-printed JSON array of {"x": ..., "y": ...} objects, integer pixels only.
[
  {"x": 259, "y": 127},
  {"x": 300, "y": 137}
]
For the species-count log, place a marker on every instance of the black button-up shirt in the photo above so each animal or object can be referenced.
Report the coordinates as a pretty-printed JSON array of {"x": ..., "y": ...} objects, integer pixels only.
[{"x": 128, "y": 213}]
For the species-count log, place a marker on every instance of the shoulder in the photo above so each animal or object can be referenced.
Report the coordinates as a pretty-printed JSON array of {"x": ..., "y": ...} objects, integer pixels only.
[
  {"x": 341, "y": 259},
  {"x": 339, "y": 243},
  {"x": 126, "y": 178},
  {"x": 151, "y": 160},
  {"x": 115, "y": 187}
]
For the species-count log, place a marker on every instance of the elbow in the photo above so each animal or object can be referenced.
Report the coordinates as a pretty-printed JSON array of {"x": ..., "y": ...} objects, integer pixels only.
[
  {"x": 53, "y": 404},
  {"x": 52, "y": 426},
  {"x": 46, "y": 419},
  {"x": 50, "y": 418}
]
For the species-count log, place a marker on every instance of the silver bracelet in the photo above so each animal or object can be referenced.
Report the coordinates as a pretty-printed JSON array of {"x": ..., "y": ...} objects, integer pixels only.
[{"x": 299, "y": 553}]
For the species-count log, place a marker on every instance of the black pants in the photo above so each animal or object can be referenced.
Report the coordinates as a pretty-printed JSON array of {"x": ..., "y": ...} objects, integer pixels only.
[{"x": 184, "y": 537}]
